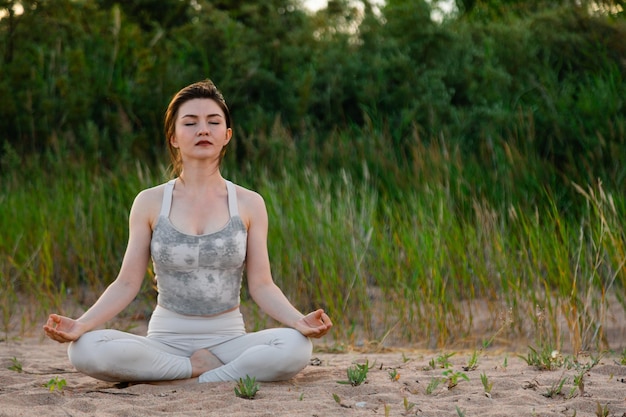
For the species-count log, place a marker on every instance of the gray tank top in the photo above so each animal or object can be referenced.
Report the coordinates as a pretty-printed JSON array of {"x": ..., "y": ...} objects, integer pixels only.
[{"x": 199, "y": 275}]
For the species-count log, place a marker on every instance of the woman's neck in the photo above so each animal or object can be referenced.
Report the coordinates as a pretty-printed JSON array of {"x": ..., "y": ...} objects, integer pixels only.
[{"x": 201, "y": 177}]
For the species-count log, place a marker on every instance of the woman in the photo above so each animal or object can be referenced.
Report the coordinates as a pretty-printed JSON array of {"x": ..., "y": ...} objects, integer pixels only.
[{"x": 200, "y": 230}]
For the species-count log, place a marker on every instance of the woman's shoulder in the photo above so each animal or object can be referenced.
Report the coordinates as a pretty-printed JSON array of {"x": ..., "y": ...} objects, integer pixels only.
[
  {"x": 251, "y": 204},
  {"x": 149, "y": 200},
  {"x": 248, "y": 196},
  {"x": 151, "y": 193}
]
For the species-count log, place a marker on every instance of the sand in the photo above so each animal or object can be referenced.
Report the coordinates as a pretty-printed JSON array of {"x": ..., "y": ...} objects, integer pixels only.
[{"x": 518, "y": 389}]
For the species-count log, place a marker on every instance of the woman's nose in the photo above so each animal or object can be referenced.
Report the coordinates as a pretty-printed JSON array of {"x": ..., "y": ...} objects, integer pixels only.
[{"x": 203, "y": 129}]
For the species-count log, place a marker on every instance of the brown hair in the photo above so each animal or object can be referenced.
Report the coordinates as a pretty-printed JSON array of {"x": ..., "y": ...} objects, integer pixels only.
[{"x": 202, "y": 89}]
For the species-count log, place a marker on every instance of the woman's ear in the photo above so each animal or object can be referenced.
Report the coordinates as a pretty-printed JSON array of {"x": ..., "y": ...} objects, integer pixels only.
[
  {"x": 173, "y": 141},
  {"x": 229, "y": 135}
]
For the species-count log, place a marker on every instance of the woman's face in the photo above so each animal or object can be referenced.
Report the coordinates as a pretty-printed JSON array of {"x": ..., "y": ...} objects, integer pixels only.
[{"x": 200, "y": 130}]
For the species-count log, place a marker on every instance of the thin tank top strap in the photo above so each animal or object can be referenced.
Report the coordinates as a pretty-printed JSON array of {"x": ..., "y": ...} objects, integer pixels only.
[
  {"x": 233, "y": 208},
  {"x": 167, "y": 198}
]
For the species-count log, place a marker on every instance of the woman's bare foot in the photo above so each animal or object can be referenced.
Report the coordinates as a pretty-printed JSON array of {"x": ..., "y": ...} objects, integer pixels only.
[
  {"x": 203, "y": 361},
  {"x": 188, "y": 381}
]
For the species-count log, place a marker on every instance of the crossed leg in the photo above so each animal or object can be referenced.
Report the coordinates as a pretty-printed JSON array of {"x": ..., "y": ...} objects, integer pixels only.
[{"x": 267, "y": 355}]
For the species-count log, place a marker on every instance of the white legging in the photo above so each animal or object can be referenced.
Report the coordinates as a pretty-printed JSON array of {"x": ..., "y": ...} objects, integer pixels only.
[{"x": 163, "y": 355}]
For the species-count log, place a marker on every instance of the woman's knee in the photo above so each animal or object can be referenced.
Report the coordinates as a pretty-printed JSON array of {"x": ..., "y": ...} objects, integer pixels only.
[
  {"x": 82, "y": 354},
  {"x": 298, "y": 349},
  {"x": 304, "y": 345},
  {"x": 81, "y": 351},
  {"x": 91, "y": 356}
]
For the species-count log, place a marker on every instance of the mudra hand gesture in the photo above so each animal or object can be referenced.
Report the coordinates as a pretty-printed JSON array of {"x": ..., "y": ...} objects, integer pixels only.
[
  {"x": 314, "y": 324},
  {"x": 63, "y": 329}
]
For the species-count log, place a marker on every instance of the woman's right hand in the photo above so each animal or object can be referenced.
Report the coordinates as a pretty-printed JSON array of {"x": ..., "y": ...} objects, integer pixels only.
[{"x": 63, "y": 329}]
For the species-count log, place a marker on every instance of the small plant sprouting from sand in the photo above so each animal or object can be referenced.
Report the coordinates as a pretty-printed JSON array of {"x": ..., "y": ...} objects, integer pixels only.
[
  {"x": 441, "y": 361},
  {"x": 579, "y": 383},
  {"x": 16, "y": 365},
  {"x": 449, "y": 376},
  {"x": 549, "y": 359},
  {"x": 432, "y": 385},
  {"x": 545, "y": 358},
  {"x": 338, "y": 401},
  {"x": 56, "y": 383},
  {"x": 394, "y": 375},
  {"x": 602, "y": 411},
  {"x": 452, "y": 377},
  {"x": 581, "y": 370},
  {"x": 357, "y": 374},
  {"x": 557, "y": 387},
  {"x": 622, "y": 360},
  {"x": 408, "y": 405},
  {"x": 487, "y": 385},
  {"x": 472, "y": 363},
  {"x": 247, "y": 387}
]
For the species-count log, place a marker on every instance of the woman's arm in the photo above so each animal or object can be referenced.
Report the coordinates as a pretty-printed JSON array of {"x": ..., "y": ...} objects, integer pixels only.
[
  {"x": 127, "y": 284},
  {"x": 262, "y": 288}
]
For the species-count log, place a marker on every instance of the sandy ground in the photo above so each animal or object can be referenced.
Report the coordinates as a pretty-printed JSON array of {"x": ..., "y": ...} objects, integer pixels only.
[{"x": 517, "y": 388}]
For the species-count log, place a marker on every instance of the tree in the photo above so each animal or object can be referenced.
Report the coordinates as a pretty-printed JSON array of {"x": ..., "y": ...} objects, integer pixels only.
[
  {"x": 150, "y": 13},
  {"x": 491, "y": 9}
]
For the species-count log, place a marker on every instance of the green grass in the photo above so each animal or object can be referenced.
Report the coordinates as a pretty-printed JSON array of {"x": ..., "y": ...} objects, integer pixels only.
[
  {"x": 247, "y": 388},
  {"x": 357, "y": 374},
  {"x": 387, "y": 269}
]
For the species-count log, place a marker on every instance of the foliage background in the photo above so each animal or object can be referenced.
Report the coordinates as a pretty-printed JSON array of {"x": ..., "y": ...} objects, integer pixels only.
[
  {"x": 92, "y": 77},
  {"x": 512, "y": 107}
]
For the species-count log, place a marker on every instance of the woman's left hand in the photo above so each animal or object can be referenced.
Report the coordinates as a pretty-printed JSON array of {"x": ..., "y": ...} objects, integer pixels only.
[{"x": 315, "y": 324}]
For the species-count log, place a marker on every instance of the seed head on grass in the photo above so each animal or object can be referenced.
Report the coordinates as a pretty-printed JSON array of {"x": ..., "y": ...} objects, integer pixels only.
[
  {"x": 247, "y": 388},
  {"x": 545, "y": 358}
]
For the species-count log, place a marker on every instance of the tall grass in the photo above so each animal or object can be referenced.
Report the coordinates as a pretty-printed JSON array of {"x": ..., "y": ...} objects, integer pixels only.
[
  {"x": 432, "y": 263},
  {"x": 63, "y": 234}
]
